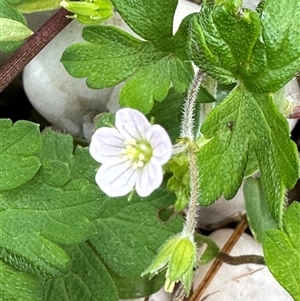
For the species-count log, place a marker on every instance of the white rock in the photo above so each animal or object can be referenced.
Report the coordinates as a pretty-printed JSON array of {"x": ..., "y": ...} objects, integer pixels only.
[
  {"x": 247, "y": 282},
  {"x": 252, "y": 4},
  {"x": 222, "y": 209},
  {"x": 67, "y": 102}
]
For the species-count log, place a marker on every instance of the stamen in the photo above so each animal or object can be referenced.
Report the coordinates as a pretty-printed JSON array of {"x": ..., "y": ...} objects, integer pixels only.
[
  {"x": 130, "y": 141},
  {"x": 135, "y": 153},
  {"x": 140, "y": 164},
  {"x": 141, "y": 157}
]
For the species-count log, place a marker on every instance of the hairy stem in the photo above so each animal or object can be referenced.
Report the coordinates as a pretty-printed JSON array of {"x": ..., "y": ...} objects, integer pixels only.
[
  {"x": 187, "y": 125},
  {"x": 32, "y": 47},
  {"x": 191, "y": 215}
]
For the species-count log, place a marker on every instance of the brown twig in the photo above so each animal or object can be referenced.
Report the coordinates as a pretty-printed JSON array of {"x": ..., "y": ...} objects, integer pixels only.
[
  {"x": 32, "y": 47},
  {"x": 239, "y": 230},
  {"x": 242, "y": 259},
  {"x": 296, "y": 113}
]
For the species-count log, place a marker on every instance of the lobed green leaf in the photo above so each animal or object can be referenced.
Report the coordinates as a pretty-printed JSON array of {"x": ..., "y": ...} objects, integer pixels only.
[
  {"x": 221, "y": 40},
  {"x": 16, "y": 285},
  {"x": 282, "y": 251},
  {"x": 151, "y": 20},
  {"x": 87, "y": 280},
  {"x": 7, "y": 11},
  {"x": 112, "y": 56},
  {"x": 243, "y": 123},
  {"x": 19, "y": 145},
  {"x": 57, "y": 206},
  {"x": 276, "y": 56}
]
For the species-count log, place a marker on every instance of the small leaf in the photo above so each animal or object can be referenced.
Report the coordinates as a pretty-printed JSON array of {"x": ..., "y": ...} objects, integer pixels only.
[
  {"x": 282, "y": 251},
  {"x": 151, "y": 20},
  {"x": 276, "y": 56},
  {"x": 154, "y": 80},
  {"x": 258, "y": 212},
  {"x": 12, "y": 30},
  {"x": 19, "y": 143},
  {"x": 16, "y": 285},
  {"x": 222, "y": 39},
  {"x": 104, "y": 120},
  {"x": 7, "y": 11},
  {"x": 31, "y": 6},
  {"x": 212, "y": 250},
  {"x": 89, "y": 12},
  {"x": 88, "y": 279},
  {"x": 57, "y": 206},
  {"x": 111, "y": 56},
  {"x": 168, "y": 113}
]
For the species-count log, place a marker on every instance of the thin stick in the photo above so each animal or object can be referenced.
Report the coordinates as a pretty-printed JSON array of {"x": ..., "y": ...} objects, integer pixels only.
[
  {"x": 32, "y": 47},
  {"x": 239, "y": 230},
  {"x": 242, "y": 259}
]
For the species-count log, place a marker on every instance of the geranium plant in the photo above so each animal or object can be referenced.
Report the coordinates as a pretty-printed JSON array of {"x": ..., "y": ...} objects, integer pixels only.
[{"x": 84, "y": 223}]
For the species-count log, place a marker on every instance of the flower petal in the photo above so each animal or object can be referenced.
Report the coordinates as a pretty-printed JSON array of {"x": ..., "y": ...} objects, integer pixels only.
[
  {"x": 131, "y": 123},
  {"x": 106, "y": 143},
  {"x": 160, "y": 142},
  {"x": 150, "y": 178},
  {"x": 115, "y": 177}
]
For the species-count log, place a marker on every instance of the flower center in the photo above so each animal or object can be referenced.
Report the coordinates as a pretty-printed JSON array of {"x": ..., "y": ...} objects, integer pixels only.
[{"x": 137, "y": 153}]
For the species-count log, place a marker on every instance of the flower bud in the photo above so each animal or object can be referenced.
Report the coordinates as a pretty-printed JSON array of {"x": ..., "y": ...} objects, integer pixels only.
[
  {"x": 179, "y": 256},
  {"x": 89, "y": 11}
]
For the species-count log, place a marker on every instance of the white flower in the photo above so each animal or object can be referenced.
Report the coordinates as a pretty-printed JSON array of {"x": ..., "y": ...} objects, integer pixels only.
[{"x": 132, "y": 154}]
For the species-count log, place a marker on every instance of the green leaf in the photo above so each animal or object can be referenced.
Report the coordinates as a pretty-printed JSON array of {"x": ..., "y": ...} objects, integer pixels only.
[
  {"x": 168, "y": 113},
  {"x": 31, "y": 6},
  {"x": 282, "y": 251},
  {"x": 13, "y": 30},
  {"x": 115, "y": 52},
  {"x": 88, "y": 279},
  {"x": 222, "y": 39},
  {"x": 258, "y": 212},
  {"x": 151, "y": 20},
  {"x": 246, "y": 122},
  {"x": 12, "y": 1},
  {"x": 89, "y": 12},
  {"x": 104, "y": 119},
  {"x": 129, "y": 233},
  {"x": 276, "y": 57},
  {"x": 19, "y": 144},
  {"x": 212, "y": 250},
  {"x": 8, "y": 12},
  {"x": 16, "y": 285},
  {"x": 136, "y": 287},
  {"x": 57, "y": 206},
  {"x": 112, "y": 56},
  {"x": 149, "y": 84}
]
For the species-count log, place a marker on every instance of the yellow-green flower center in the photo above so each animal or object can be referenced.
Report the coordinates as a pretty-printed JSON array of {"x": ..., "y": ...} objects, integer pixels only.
[{"x": 137, "y": 153}]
